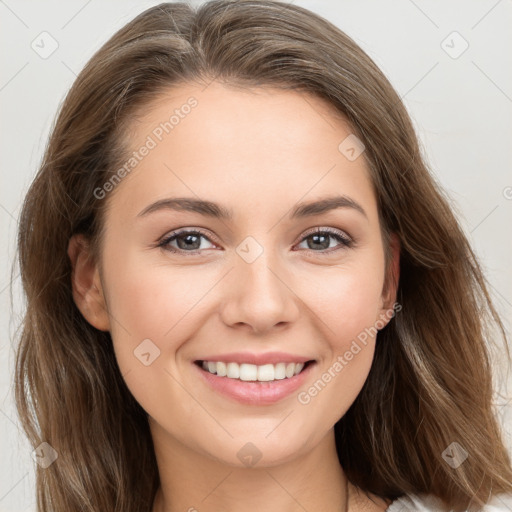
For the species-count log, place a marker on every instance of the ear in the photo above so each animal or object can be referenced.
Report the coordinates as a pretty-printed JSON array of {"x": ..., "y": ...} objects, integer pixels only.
[
  {"x": 389, "y": 292},
  {"x": 86, "y": 284}
]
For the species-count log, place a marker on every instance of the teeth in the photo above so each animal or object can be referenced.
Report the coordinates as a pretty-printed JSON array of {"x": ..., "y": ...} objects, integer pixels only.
[
  {"x": 251, "y": 372},
  {"x": 233, "y": 370},
  {"x": 221, "y": 369}
]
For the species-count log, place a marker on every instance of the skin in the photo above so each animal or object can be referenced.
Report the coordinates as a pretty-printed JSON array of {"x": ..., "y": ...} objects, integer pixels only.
[{"x": 257, "y": 152}]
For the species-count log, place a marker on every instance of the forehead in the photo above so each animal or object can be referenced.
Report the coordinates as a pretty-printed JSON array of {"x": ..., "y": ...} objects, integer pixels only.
[{"x": 231, "y": 144}]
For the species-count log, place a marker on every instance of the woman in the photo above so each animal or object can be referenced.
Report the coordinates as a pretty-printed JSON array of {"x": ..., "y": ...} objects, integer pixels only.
[{"x": 244, "y": 288}]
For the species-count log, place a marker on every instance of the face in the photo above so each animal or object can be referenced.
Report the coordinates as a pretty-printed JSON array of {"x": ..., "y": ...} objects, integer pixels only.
[{"x": 270, "y": 281}]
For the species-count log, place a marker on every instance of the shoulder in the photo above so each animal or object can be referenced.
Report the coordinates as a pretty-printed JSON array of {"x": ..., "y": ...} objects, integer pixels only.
[
  {"x": 431, "y": 503},
  {"x": 417, "y": 503}
]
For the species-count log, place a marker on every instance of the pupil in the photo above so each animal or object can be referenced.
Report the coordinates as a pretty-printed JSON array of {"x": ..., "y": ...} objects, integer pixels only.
[
  {"x": 188, "y": 242},
  {"x": 316, "y": 237}
]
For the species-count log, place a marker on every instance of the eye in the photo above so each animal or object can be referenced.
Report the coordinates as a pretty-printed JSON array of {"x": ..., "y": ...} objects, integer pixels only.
[
  {"x": 186, "y": 240},
  {"x": 320, "y": 240}
]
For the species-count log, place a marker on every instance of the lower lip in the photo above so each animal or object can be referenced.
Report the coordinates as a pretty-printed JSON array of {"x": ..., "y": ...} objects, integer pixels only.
[{"x": 255, "y": 392}]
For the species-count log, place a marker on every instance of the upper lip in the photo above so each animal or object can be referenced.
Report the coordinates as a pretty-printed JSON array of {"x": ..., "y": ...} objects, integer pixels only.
[{"x": 257, "y": 359}]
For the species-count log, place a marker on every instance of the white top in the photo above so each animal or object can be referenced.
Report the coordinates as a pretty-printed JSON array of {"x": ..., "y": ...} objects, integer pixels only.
[{"x": 430, "y": 503}]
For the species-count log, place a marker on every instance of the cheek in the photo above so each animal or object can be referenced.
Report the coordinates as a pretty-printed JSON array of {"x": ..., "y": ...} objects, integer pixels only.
[
  {"x": 149, "y": 301},
  {"x": 348, "y": 309},
  {"x": 347, "y": 299},
  {"x": 154, "y": 312}
]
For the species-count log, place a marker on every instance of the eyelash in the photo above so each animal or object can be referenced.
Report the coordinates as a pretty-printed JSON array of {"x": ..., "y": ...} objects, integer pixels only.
[{"x": 344, "y": 240}]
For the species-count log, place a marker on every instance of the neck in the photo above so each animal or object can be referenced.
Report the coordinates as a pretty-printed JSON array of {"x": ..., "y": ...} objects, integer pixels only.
[{"x": 193, "y": 481}]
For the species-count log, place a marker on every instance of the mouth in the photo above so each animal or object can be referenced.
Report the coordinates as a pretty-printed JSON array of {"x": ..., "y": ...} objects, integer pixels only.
[
  {"x": 254, "y": 385},
  {"x": 253, "y": 373}
]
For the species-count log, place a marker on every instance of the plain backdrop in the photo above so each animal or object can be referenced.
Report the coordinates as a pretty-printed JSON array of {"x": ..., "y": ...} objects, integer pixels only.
[{"x": 449, "y": 61}]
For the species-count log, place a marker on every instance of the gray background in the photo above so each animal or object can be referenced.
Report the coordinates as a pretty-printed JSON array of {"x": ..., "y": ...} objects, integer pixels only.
[{"x": 460, "y": 104}]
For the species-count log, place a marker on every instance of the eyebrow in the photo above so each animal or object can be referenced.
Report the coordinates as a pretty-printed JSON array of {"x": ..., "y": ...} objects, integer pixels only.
[{"x": 215, "y": 210}]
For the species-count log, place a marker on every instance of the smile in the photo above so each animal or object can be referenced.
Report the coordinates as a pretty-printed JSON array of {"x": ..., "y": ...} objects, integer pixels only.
[
  {"x": 252, "y": 372},
  {"x": 254, "y": 384}
]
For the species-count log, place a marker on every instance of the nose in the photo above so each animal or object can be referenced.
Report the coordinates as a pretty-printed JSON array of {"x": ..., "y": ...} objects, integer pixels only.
[{"x": 258, "y": 296}]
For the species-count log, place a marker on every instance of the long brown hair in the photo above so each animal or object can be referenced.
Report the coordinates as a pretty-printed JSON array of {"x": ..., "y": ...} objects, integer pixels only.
[{"x": 431, "y": 379}]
